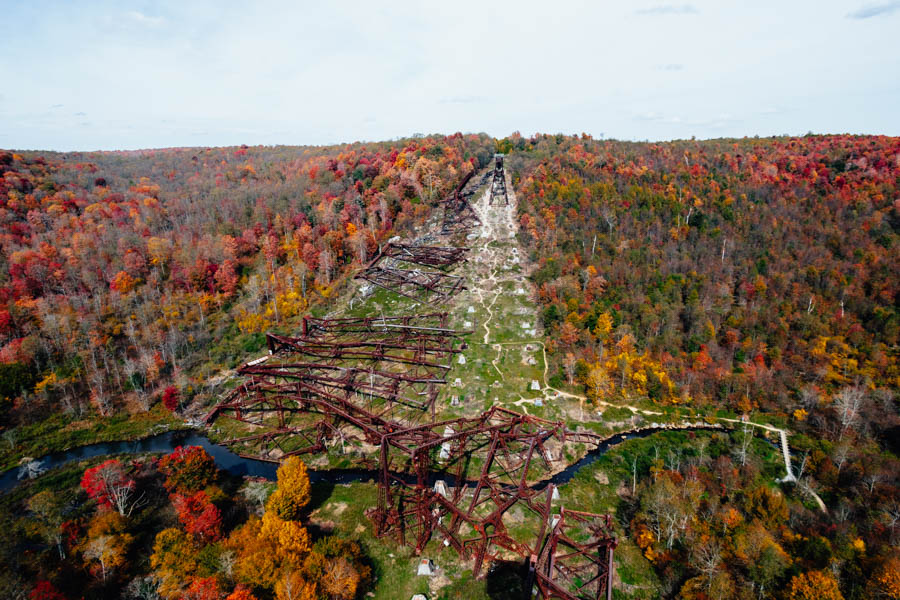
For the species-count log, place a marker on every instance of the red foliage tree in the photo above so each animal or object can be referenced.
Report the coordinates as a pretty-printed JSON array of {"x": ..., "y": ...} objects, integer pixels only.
[
  {"x": 44, "y": 590},
  {"x": 198, "y": 515},
  {"x": 170, "y": 398},
  {"x": 206, "y": 588},
  {"x": 241, "y": 592},
  {"x": 109, "y": 484},
  {"x": 187, "y": 469}
]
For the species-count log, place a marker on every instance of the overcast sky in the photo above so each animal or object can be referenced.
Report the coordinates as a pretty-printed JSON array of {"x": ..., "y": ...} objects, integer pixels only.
[{"x": 119, "y": 75}]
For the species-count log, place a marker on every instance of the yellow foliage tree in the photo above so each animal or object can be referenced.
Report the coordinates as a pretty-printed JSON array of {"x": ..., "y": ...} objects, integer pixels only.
[
  {"x": 292, "y": 586},
  {"x": 603, "y": 326},
  {"x": 814, "y": 585},
  {"x": 290, "y": 537},
  {"x": 885, "y": 582},
  {"x": 292, "y": 494},
  {"x": 257, "y": 556}
]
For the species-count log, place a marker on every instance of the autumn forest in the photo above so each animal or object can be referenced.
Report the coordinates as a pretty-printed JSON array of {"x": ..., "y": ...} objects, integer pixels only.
[{"x": 728, "y": 282}]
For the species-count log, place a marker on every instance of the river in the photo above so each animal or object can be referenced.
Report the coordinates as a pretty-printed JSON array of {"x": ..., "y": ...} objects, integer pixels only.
[{"x": 241, "y": 466}]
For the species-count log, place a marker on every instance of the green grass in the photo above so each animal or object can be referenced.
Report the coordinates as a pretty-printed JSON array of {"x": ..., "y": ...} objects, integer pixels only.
[
  {"x": 60, "y": 432},
  {"x": 394, "y": 566}
]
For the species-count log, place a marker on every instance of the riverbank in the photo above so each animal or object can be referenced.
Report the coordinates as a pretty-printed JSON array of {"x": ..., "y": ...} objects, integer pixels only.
[{"x": 58, "y": 433}]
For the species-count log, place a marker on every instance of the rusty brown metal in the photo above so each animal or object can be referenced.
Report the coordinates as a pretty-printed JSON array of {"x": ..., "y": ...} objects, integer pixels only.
[
  {"x": 462, "y": 481},
  {"x": 426, "y": 287},
  {"x": 575, "y": 560},
  {"x": 459, "y": 216},
  {"x": 440, "y": 257}
]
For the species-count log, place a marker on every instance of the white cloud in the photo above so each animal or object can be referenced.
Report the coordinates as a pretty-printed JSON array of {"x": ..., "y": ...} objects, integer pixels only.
[
  {"x": 139, "y": 17},
  {"x": 669, "y": 9},
  {"x": 875, "y": 10}
]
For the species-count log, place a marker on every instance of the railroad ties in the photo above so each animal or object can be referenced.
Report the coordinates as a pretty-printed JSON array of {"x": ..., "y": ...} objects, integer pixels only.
[{"x": 467, "y": 482}]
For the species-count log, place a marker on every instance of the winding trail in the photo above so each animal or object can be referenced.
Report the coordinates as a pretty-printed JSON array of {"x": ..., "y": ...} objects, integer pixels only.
[{"x": 496, "y": 250}]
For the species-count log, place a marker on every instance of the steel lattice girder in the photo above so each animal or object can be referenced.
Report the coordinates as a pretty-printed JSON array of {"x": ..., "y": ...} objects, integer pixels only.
[
  {"x": 458, "y": 213},
  {"x": 498, "y": 183},
  {"x": 575, "y": 560},
  {"x": 433, "y": 324},
  {"x": 429, "y": 256},
  {"x": 419, "y": 345},
  {"x": 394, "y": 397},
  {"x": 421, "y": 286},
  {"x": 514, "y": 450}
]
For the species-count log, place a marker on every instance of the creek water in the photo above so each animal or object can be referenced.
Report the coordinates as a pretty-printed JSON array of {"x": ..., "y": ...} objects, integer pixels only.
[{"x": 241, "y": 466}]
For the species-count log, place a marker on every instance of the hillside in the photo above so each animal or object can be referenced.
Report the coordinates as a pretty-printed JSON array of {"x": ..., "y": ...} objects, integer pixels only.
[{"x": 625, "y": 285}]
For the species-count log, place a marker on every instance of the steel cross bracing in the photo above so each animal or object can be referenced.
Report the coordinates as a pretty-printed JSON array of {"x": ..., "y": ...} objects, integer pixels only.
[
  {"x": 429, "y": 256},
  {"x": 459, "y": 216},
  {"x": 498, "y": 183},
  {"x": 463, "y": 481},
  {"x": 427, "y": 287},
  {"x": 382, "y": 368},
  {"x": 575, "y": 559},
  {"x": 425, "y": 488},
  {"x": 420, "y": 344}
]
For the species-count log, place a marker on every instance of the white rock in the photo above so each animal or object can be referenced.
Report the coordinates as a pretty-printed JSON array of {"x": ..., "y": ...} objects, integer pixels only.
[
  {"x": 440, "y": 486},
  {"x": 426, "y": 567}
]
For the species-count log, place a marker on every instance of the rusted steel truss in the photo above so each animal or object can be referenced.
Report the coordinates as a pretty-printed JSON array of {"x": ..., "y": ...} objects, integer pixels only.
[
  {"x": 426, "y": 489},
  {"x": 427, "y": 287},
  {"x": 375, "y": 374},
  {"x": 462, "y": 481},
  {"x": 459, "y": 216},
  {"x": 421, "y": 345},
  {"x": 440, "y": 257},
  {"x": 575, "y": 560},
  {"x": 498, "y": 183}
]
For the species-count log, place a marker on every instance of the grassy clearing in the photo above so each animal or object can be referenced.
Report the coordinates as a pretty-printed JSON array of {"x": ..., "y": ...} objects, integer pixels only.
[{"x": 341, "y": 508}]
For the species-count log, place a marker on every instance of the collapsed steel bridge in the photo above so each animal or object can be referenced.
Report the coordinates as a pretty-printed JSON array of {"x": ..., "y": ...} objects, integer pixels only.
[
  {"x": 425, "y": 286},
  {"x": 465, "y": 483},
  {"x": 462, "y": 482}
]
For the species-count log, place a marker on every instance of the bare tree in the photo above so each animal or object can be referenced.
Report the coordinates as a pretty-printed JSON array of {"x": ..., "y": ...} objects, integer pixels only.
[
  {"x": 257, "y": 491},
  {"x": 119, "y": 488},
  {"x": 143, "y": 588},
  {"x": 706, "y": 557},
  {"x": 11, "y": 436},
  {"x": 31, "y": 469},
  {"x": 742, "y": 450},
  {"x": 841, "y": 453},
  {"x": 848, "y": 403}
]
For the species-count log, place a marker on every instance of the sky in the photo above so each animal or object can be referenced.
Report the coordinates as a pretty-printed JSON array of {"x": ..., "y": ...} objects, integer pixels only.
[{"x": 128, "y": 75}]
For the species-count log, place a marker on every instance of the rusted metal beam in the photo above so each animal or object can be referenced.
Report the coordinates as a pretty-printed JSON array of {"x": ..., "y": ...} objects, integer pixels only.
[
  {"x": 440, "y": 257},
  {"x": 422, "y": 286}
]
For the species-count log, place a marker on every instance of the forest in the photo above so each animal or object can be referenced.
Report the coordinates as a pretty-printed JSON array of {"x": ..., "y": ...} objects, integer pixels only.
[
  {"x": 754, "y": 277},
  {"x": 736, "y": 277}
]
